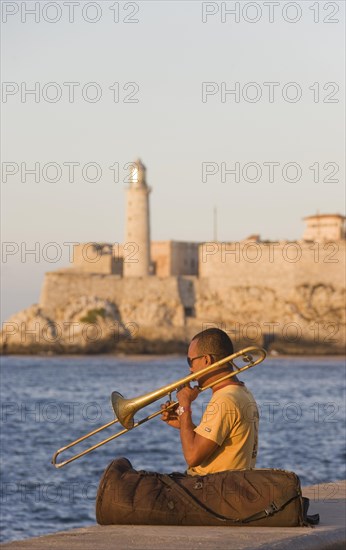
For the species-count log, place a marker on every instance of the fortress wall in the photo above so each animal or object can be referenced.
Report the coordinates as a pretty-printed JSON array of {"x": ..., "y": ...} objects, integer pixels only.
[
  {"x": 305, "y": 297},
  {"x": 184, "y": 258},
  {"x": 174, "y": 258},
  {"x": 278, "y": 265},
  {"x": 147, "y": 301},
  {"x": 88, "y": 258},
  {"x": 97, "y": 258},
  {"x": 161, "y": 256},
  {"x": 299, "y": 302},
  {"x": 186, "y": 286}
]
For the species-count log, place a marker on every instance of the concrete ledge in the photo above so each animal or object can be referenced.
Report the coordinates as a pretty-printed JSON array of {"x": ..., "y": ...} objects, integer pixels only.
[{"x": 326, "y": 499}]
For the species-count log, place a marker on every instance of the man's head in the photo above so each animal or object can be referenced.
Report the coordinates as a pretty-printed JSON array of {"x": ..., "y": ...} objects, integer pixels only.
[
  {"x": 213, "y": 341},
  {"x": 205, "y": 348}
]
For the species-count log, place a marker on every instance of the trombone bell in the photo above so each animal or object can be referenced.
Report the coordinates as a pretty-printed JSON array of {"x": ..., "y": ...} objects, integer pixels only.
[{"x": 124, "y": 409}]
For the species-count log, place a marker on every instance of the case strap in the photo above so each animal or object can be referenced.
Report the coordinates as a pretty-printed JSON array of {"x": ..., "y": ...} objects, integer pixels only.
[{"x": 272, "y": 509}]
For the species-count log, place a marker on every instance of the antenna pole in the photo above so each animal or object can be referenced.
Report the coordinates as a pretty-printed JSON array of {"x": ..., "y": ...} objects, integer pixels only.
[{"x": 215, "y": 224}]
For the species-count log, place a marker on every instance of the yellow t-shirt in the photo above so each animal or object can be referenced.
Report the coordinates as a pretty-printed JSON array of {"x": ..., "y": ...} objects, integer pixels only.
[{"x": 231, "y": 420}]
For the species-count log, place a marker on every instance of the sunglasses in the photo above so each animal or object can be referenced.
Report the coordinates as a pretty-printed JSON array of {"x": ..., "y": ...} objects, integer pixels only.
[{"x": 191, "y": 359}]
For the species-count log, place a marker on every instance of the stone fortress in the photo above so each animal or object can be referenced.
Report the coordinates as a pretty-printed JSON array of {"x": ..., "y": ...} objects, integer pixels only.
[{"x": 149, "y": 296}]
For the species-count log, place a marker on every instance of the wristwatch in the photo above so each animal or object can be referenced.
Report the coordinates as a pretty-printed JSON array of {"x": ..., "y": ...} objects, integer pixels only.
[{"x": 180, "y": 410}]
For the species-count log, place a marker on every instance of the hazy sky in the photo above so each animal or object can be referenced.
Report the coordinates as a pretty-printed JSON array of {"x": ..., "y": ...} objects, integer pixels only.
[{"x": 118, "y": 80}]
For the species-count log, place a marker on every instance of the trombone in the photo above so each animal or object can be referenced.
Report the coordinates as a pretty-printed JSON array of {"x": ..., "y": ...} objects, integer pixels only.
[{"x": 125, "y": 409}]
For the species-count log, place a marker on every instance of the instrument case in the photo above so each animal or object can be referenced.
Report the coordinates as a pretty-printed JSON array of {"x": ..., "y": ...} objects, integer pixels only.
[{"x": 258, "y": 497}]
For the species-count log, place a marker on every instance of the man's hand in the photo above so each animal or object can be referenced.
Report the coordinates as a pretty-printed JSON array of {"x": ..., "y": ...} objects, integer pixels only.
[
  {"x": 186, "y": 395},
  {"x": 170, "y": 416}
]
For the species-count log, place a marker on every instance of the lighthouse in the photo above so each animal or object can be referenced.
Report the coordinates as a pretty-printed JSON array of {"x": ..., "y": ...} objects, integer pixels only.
[{"x": 137, "y": 264}]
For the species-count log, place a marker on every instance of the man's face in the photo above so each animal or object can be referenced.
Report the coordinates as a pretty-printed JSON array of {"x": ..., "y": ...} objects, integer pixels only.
[{"x": 198, "y": 362}]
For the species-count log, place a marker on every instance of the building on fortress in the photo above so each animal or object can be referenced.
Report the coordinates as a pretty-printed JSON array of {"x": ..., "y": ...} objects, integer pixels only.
[
  {"x": 324, "y": 228},
  {"x": 168, "y": 258}
]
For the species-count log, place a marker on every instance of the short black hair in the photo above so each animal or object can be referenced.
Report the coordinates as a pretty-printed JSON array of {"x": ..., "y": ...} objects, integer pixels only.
[{"x": 214, "y": 341}]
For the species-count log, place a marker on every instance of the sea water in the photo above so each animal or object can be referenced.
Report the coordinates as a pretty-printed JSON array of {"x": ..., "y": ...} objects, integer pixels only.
[{"x": 47, "y": 402}]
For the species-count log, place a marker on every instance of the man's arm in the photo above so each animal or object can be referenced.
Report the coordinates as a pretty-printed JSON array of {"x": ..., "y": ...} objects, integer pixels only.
[{"x": 196, "y": 448}]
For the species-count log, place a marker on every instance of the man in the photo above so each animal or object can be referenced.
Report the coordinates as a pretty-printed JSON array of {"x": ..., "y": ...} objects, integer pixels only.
[{"x": 227, "y": 437}]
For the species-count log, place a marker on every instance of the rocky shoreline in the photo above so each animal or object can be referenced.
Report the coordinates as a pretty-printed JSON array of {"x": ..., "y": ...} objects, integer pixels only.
[{"x": 120, "y": 341}]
